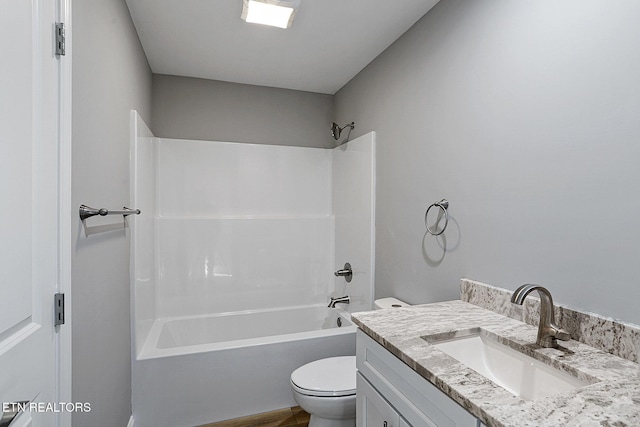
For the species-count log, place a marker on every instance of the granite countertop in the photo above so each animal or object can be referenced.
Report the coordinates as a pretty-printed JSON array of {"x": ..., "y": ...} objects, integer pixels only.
[{"x": 612, "y": 398}]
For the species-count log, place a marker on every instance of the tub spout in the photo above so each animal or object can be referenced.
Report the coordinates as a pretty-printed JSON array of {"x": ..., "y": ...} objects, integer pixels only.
[{"x": 339, "y": 300}]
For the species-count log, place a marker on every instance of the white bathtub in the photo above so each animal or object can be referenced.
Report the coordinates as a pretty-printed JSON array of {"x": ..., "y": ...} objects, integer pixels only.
[{"x": 200, "y": 369}]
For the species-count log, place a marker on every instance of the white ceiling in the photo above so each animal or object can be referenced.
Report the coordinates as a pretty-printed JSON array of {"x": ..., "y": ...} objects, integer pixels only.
[{"x": 329, "y": 43}]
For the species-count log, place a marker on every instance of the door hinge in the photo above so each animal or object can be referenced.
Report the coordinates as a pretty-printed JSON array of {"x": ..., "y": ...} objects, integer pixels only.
[
  {"x": 60, "y": 39},
  {"x": 58, "y": 304}
]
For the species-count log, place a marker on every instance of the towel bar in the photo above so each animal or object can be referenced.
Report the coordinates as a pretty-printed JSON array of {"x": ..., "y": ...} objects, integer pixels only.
[{"x": 88, "y": 212}]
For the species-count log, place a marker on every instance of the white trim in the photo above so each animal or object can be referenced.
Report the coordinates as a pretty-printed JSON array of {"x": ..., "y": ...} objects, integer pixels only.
[
  {"x": 131, "y": 422},
  {"x": 64, "y": 352},
  {"x": 374, "y": 168}
]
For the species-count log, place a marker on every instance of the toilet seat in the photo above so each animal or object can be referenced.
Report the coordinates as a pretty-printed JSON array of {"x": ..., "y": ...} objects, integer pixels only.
[{"x": 332, "y": 377}]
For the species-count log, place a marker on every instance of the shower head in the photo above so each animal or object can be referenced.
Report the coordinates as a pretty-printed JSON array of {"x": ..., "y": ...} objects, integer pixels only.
[{"x": 337, "y": 130}]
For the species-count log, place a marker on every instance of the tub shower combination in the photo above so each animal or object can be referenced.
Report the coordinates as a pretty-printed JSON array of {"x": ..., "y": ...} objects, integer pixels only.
[{"x": 232, "y": 269}]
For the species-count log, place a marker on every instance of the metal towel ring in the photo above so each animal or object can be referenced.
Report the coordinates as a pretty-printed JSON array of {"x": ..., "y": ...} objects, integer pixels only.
[{"x": 444, "y": 205}]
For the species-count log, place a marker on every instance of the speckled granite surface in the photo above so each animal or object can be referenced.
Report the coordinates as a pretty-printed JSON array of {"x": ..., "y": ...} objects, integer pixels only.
[
  {"x": 613, "y": 336},
  {"x": 612, "y": 398}
]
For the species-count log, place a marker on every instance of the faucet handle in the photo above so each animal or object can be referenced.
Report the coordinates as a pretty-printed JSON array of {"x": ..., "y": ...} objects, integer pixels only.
[
  {"x": 346, "y": 272},
  {"x": 561, "y": 334}
]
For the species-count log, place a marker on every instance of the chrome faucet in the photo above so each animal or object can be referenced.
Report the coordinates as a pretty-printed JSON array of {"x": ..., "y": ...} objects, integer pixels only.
[
  {"x": 339, "y": 300},
  {"x": 548, "y": 331}
]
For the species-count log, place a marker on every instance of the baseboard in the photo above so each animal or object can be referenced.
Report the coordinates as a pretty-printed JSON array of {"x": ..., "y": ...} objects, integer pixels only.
[{"x": 131, "y": 422}]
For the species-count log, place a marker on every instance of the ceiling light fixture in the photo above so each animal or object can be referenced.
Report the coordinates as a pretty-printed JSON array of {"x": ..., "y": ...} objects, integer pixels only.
[{"x": 276, "y": 13}]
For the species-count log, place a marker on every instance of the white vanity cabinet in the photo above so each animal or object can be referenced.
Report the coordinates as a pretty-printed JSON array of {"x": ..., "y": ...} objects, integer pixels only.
[
  {"x": 373, "y": 409},
  {"x": 390, "y": 394}
]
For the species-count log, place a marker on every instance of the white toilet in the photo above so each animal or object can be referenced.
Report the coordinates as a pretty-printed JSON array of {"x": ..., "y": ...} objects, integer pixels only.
[{"x": 326, "y": 388}]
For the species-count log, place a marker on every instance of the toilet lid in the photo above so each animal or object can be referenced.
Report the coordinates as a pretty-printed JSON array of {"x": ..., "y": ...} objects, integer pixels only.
[{"x": 335, "y": 376}]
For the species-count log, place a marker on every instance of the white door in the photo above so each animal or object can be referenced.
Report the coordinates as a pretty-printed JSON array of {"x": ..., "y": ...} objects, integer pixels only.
[{"x": 29, "y": 209}]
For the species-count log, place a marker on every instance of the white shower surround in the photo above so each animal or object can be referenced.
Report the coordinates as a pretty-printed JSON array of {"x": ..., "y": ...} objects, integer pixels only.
[
  {"x": 241, "y": 227},
  {"x": 230, "y": 228}
]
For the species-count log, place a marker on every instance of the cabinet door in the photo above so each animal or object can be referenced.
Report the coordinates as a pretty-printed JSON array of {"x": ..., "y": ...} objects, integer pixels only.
[
  {"x": 418, "y": 401},
  {"x": 372, "y": 410}
]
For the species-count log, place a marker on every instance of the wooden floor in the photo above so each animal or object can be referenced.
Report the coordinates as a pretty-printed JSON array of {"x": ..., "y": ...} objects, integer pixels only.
[{"x": 289, "y": 417}]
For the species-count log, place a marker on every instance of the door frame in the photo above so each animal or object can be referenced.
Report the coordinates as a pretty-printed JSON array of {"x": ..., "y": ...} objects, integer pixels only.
[{"x": 64, "y": 332}]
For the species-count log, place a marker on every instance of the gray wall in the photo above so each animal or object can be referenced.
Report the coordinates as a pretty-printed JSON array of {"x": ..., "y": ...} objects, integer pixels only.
[
  {"x": 526, "y": 117},
  {"x": 190, "y": 108},
  {"x": 110, "y": 77}
]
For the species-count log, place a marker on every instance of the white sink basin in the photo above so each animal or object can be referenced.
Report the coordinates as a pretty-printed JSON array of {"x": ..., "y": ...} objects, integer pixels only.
[{"x": 516, "y": 372}]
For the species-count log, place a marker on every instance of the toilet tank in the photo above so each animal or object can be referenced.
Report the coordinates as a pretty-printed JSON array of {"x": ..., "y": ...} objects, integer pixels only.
[{"x": 389, "y": 302}]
